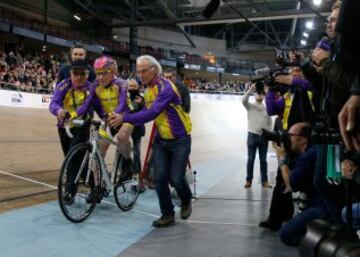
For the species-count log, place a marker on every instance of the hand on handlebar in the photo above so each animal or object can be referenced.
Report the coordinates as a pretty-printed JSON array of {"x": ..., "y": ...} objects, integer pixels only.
[{"x": 62, "y": 113}]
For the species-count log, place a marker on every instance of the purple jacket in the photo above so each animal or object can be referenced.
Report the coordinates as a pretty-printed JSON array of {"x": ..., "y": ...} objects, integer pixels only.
[
  {"x": 61, "y": 90},
  {"x": 276, "y": 106},
  {"x": 94, "y": 100},
  {"x": 165, "y": 107}
]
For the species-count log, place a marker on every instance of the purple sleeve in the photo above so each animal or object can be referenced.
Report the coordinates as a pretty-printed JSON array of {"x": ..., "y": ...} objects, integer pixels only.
[
  {"x": 161, "y": 103},
  {"x": 274, "y": 106},
  {"x": 57, "y": 101},
  {"x": 84, "y": 108},
  {"x": 303, "y": 84},
  {"x": 98, "y": 107},
  {"x": 122, "y": 107}
]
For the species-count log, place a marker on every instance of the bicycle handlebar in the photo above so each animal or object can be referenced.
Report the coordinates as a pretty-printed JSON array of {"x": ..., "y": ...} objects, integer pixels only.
[{"x": 81, "y": 123}]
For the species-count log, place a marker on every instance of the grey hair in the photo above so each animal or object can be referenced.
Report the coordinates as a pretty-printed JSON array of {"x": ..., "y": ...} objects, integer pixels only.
[{"x": 152, "y": 61}]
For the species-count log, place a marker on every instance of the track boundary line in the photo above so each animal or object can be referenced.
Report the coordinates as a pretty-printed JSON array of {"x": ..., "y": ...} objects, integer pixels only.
[{"x": 28, "y": 179}]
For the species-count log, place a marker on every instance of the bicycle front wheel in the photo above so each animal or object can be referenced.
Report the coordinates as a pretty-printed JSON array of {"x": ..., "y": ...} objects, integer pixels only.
[
  {"x": 126, "y": 191},
  {"x": 78, "y": 177}
]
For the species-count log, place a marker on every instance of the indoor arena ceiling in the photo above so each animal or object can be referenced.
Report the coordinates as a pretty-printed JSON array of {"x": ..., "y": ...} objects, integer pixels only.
[{"x": 279, "y": 23}]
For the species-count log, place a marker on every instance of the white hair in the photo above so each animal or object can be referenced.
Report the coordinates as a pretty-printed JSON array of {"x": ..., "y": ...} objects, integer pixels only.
[{"x": 152, "y": 61}]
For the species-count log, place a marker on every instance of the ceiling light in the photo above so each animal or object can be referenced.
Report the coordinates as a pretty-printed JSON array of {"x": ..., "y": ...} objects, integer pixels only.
[
  {"x": 317, "y": 2},
  {"x": 309, "y": 25},
  {"x": 77, "y": 17},
  {"x": 303, "y": 42},
  {"x": 305, "y": 34}
]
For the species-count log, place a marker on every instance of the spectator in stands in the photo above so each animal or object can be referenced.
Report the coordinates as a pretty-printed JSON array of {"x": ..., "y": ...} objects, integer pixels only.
[
  {"x": 77, "y": 52},
  {"x": 170, "y": 74},
  {"x": 257, "y": 121},
  {"x": 27, "y": 71}
]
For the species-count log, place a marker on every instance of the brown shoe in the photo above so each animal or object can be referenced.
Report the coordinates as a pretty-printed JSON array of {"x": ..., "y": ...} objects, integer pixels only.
[
  {"x": 186, "y": 210},
  {"x": 164, "y": 221},
  {"x": 247, "y": 184},
  {"x": 266, "y": 185}
]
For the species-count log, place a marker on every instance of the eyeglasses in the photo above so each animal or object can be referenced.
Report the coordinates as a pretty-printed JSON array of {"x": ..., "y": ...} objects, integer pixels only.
[
  {"x": 169, "y": 77},
  {"x": 142, "y": 71},
  {"x": 103, "y": 72}
]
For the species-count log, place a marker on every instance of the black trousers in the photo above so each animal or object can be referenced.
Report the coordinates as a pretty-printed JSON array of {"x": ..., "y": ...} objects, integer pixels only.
[
  {"x": 81, "y": 135},
  {"x": 281, "y": 207}
]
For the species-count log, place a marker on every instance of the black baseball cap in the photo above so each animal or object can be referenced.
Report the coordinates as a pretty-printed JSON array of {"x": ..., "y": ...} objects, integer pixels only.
[{"x": 79, "y": 64}]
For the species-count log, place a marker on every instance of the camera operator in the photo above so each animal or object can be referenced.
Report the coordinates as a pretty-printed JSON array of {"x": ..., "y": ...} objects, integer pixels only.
[
  {"x": 298, "y": 176},
  {"x": 293, "y": 107}
]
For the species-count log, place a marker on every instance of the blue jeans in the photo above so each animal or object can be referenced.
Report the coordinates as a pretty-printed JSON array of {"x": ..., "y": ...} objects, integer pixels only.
[
  {"x": 256, "y": 142},
  {"x": 170, "y": 160},
  {"x": 294, "y": 231},
  {"x": 355, "y": 215}
]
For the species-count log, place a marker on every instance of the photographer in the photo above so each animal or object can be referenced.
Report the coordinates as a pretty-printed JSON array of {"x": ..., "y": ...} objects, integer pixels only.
[
  {"x": 299, "y": 177},
  {"x": 293, "y": 107},
  {"x": 257, "y": 120}
]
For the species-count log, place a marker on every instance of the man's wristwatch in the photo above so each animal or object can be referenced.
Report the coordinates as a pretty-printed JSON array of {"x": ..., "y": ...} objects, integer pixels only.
[{"x": 283, "y": 162}]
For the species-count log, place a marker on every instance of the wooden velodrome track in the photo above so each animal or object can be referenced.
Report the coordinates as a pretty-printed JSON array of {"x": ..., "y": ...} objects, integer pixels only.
[{"x": 30, "y": 149}]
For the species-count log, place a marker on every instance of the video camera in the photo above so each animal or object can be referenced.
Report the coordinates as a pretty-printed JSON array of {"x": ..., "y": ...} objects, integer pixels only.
[
  {"x": 269, "y": 80},
  {"x": 283, "y": 61}
]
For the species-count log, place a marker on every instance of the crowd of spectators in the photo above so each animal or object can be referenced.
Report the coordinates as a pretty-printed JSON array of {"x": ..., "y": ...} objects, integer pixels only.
[
  {"x": 27, "y": 71},
  {"x": 202, "y": 85},
  {"x": 36, "y": 72}
]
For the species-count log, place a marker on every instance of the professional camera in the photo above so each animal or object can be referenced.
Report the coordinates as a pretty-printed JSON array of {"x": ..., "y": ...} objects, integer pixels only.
[
  {"x": 269, "y": 80},
  {"x": 324, "y": 240},
  {"x": 268, "y": 75},
  {"x": 317, "y": 135},
  {"x": 277, "y": 137}
]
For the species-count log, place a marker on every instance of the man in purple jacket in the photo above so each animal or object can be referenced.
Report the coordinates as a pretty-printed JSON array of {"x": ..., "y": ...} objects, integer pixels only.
[
  {"x": 68, "y": 96},
  {"x": 172, "y": 144}
]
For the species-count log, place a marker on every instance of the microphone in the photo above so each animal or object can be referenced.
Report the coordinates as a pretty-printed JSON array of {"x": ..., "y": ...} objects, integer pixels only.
[{"x": 324, "y": 43}]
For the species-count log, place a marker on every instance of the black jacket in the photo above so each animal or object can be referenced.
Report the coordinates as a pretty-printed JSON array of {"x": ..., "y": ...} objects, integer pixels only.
[
  {"x": 64, "y": 73},
  {"x": 185, "y": 96},
  {"x": 333, "y": 89},
  {"x": 139, "y": 131}
]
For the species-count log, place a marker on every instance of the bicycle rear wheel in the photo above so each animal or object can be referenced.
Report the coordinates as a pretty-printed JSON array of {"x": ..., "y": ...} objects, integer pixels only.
[
  {"x": 76, "y": 182},
  {"x": 126, "y": 191}
]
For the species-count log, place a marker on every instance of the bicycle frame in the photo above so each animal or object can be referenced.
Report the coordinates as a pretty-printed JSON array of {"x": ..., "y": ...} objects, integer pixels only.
[{"x": 95, "y": 153}]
